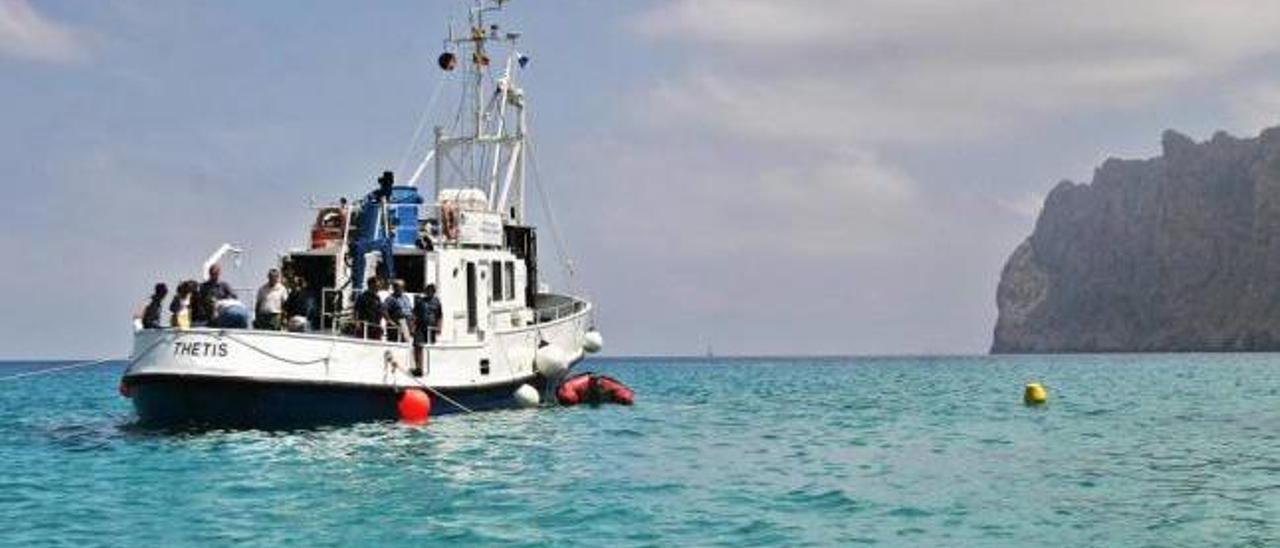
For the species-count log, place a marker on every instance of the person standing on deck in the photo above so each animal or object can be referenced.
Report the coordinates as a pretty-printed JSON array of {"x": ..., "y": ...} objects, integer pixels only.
[
  {"x": 400, "y": 311},
  {"x": 426, "y": 324},
  {"x": 150, "y": 314},
  {"x": 180, "y": 306},
  {"x": 211, "y": 291},
  {"x": 300, "y": 307},
  {"x": 370, "y": 312},
  {"x": 269, "y": 310}
]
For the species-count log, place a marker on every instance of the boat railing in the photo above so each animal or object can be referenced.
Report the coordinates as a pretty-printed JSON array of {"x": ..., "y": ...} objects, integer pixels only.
[
  {"x": 342, "y": 321},
  {"x": 338, "y": 319},
  {"x": 333, "y": 318},
  {"x": 381, "y": 331},
  {"x": 549, "y": 308}
]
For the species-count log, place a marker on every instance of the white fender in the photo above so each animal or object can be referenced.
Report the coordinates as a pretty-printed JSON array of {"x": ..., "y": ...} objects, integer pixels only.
[
  {"x": 592, "y": 341},
  {"x": 550, "y": 361},
  {"x": 527, "y": 396}
]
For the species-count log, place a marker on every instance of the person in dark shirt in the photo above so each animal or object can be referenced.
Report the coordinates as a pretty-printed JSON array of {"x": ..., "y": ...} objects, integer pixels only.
[
  {"x": 211, "y": 291},
  {"x": 426, "y": 324},
  {"x": 150, "y": 315},
  {"x": 302, "y": 303},
  {"x": 370, "y": 311}
]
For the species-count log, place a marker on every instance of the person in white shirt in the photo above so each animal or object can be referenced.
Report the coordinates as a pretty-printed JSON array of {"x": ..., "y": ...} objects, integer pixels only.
[{"x": 269, "y": 311}]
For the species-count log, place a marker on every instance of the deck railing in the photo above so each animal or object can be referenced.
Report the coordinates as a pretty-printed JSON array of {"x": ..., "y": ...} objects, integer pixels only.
[
  {"x": 341, "y": 321},
  {"x": 561, "y": 307}
]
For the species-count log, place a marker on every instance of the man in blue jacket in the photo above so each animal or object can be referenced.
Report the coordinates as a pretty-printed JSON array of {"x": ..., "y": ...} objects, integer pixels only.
[{"x": 426, "y": 324}]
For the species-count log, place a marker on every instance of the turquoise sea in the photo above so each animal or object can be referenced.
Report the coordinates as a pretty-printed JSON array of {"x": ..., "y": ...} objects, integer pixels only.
[{"x": 1161, "y": 450}]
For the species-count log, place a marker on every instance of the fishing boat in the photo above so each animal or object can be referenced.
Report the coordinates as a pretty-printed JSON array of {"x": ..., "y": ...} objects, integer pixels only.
[{"x": 504, "y": 338}]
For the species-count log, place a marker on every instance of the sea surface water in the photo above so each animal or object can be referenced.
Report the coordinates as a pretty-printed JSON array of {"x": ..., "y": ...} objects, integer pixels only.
[{"x": 1131, "y": 450}]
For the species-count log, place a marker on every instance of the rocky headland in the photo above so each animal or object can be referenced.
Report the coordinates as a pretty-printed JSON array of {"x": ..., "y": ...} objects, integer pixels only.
[{"x": 1170, "y": 254}]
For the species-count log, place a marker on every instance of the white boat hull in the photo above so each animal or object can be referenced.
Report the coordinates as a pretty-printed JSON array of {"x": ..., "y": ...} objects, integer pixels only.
[{"x": 247, "y": 378}]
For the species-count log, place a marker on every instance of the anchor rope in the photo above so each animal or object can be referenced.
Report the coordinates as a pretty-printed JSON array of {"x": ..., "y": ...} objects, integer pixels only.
[
  {"x": 153, "y": 346},
  {"x": 441, "y": 396},
  {"x": 54, "y": 369},
  {"x": 394, "y": 366}
]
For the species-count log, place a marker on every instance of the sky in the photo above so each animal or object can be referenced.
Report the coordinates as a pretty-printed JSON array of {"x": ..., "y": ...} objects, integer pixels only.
[{"x": 763, "y": 177}]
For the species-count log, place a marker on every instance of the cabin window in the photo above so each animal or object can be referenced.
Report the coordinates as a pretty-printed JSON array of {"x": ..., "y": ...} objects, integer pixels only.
[
  {"x": 472, "y": 320},
  {"x": 496, "y": 268},
  {"x": 510, "y": 278}
]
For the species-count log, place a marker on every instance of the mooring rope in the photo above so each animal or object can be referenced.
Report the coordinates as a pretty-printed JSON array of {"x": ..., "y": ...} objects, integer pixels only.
[
  {"x": 54, "y": 369},
  {"x": 439, "y": 395},
  {"x": 443, "y": 397},
  {"x": 268, "y": 354},
  {"x": 416, "y": 380},
  {"x": 154, "y": 345}
]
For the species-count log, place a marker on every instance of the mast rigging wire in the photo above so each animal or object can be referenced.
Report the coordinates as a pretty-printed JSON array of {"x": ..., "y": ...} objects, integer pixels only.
[
  {"x": 422, "y": 123},
  {"x": 562, "y": 249}
]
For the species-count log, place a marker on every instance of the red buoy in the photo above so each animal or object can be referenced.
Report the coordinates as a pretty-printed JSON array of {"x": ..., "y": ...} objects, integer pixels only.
[
  {"x": 414, "y": 406},
  {"x": 125, "y": 390}
]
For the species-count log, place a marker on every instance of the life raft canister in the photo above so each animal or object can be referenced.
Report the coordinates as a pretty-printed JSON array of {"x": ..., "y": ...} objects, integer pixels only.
[
  {"x": 594, "y": 389},
  {"x": 327, "y": 231}
]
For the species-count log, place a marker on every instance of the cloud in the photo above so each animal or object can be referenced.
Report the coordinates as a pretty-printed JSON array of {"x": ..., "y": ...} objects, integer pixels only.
[
  {"x": 705, "y": 200},
  {"x": 879, "y": 159},
  {"x": 916, "y": 71},
  {"x": 26, "y": 34},
  {"x": 1027, "y": 206},
  {"x": 1255, "y": 106}
]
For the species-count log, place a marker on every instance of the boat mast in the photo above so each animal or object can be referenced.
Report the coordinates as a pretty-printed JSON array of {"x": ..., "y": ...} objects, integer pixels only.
[{"x": 465, "y": 160}]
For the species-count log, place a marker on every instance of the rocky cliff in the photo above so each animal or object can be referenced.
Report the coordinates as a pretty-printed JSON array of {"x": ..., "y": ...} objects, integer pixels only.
[{"x": 1175, "y": 253}]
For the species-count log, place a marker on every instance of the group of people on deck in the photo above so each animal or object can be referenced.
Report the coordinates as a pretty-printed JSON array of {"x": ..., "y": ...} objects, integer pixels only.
[
  {"x": 291, "y": 306},
  {"x": 379, "y": 313},
  {"x": 402, "y": 316},
  {"x": 397, "y": 311},
  {"x": 213, "y": 303}
]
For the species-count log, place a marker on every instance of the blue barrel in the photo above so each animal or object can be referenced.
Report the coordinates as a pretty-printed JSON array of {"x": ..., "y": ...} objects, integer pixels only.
[
  {"x": 404, "y": 220},
  {"x": 405, "y": 202},
  {"x": 402, "y": 211}
]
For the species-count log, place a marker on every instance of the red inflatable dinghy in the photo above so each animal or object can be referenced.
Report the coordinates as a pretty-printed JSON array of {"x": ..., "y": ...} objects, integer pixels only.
[{"x": 594, "y": 389}]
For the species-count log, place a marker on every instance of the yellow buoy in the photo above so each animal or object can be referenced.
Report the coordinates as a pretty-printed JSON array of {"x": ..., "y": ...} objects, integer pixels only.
[{"x": 1035, "y": 394}]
